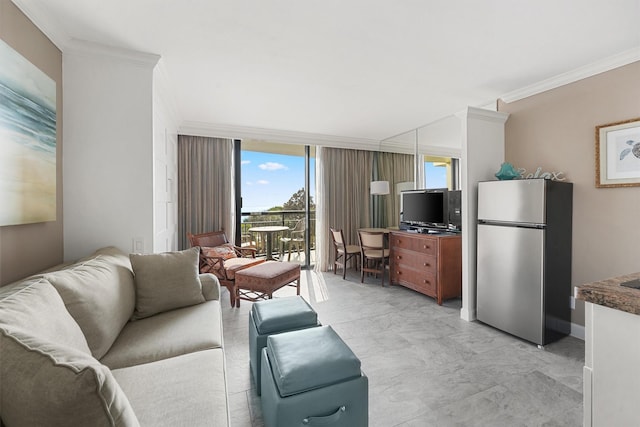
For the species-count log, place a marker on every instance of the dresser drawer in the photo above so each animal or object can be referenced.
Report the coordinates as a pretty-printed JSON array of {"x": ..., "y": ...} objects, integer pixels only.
[
  {"x": 417, "y": 261},
  {"x": 421, "y": 244},
  {"x": 422, "y": 282}
]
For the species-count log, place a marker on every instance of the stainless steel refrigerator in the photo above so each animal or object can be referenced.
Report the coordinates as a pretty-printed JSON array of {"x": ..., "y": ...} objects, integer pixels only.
[{"x": 524, "y": 257}]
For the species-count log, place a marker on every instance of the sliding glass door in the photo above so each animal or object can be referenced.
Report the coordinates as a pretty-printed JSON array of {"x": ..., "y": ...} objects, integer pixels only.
[{"x": 276, "y": 191}]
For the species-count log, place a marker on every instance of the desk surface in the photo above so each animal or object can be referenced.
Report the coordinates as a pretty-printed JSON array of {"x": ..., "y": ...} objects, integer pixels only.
[
  {"x": 375, "y": 230},
  {"x": 269, "y": 228}
]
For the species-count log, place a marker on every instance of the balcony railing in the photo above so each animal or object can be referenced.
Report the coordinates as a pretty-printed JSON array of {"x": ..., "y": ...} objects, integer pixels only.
[{"x": 288, "y": 218}]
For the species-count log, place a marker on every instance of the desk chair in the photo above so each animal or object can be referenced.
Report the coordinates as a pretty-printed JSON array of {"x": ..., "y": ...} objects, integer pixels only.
[
  {"x": 343, "y": 252},
  {"x": 375, "y": 257}
]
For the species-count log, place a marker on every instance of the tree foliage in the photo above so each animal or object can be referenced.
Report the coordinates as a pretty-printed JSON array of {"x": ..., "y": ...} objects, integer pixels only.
[{"x": 297, "y": 202}]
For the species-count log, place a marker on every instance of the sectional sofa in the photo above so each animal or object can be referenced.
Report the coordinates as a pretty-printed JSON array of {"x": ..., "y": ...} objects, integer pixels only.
[{"x": 114, "y": 340}]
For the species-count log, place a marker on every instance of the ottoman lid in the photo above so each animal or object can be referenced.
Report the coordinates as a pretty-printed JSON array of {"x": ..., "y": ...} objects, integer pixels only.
[
  {"x": 282, "y": 314},
  {"x": 310, "y": 358}
]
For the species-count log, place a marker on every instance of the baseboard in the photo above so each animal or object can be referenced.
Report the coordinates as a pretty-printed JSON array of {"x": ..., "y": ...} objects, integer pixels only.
[
  {"x": 468, "y": 314},
  {"x": 577, "y": 331}
]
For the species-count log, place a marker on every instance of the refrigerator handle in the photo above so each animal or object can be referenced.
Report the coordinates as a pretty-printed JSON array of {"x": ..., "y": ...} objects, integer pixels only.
[{"x": 512, "y": 224}]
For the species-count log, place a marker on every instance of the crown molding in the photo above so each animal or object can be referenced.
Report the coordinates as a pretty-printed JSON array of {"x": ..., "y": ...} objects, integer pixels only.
[
  {"x": 601, "y": 66},
  {"x": 482, "y": 114},
  {"x": 91, "y": 49},
  {"x": 292, "y": 137}
]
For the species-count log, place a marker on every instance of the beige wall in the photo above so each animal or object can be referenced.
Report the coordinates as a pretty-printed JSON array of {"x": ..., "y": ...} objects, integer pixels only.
[
  {"x": 556, "y": 130},
  {"x": 29, "y": 248}
]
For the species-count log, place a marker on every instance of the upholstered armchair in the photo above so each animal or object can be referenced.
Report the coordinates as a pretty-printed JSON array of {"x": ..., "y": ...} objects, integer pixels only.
[{"x": 221, "y": 258}]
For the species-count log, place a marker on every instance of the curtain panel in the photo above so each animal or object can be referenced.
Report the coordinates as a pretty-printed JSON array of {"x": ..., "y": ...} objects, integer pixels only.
[
  {"x": 395, "y": 168},
  {"x": 342, "y": 197},
  {"x": 205, "y": 186}
]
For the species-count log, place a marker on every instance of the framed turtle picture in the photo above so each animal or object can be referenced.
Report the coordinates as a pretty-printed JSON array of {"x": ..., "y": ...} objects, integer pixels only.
[{"x": 618, "y": 154}]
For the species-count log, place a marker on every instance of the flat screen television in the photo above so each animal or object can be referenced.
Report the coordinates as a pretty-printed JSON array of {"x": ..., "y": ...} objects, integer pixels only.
[{"x": 425, "y": 208}]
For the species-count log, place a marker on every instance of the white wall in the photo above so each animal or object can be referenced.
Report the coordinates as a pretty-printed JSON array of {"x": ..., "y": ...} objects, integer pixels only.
[
  {"x": 482, "y": 154},
  {"x": 165, "y": 170},
  {"x": 108, "y": 149}
]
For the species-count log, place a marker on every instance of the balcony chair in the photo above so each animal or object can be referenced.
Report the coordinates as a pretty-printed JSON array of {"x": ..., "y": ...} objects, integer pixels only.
[
  {"x": 223, "y": 259},
  {"x": 375, "y": 257},
  {"x": 295, "y": 237},
  {"x": 343, "y": 252}
]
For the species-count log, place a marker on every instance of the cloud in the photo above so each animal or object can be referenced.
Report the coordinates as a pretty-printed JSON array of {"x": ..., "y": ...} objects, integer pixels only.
[
  {"x": 262, "y": 182},
  {"x": 272, "y": 166},
  {"x": 245, "y": 162}
]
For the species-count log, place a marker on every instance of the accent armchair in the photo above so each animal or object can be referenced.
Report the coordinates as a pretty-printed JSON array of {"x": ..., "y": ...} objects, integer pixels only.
[{"x": 223, "y": 259}]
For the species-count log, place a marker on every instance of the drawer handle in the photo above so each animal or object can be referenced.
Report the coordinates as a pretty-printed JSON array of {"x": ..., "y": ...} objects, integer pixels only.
[
  {"x": 426, "y": 281},
  {"x": 399, "y": 273},
  {"x": 427, "y": 247},
  {"x": 399, "y": 257},
  {"x": 426, "y": 264}
]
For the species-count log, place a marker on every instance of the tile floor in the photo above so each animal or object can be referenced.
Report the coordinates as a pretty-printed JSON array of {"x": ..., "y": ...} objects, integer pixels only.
[{"x": 426, "y": 366}]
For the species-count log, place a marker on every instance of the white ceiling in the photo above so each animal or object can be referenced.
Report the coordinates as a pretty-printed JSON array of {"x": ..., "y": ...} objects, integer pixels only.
[{"x": 350, "y": 68}]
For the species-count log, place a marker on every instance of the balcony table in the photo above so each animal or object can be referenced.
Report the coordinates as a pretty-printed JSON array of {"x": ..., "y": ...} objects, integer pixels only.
[{"x": 269, "y": 230}]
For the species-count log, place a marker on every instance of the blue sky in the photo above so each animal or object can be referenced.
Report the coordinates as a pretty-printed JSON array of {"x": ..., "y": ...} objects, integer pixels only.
[
  {"x": 436, "y": 176},
  {"x": 270, "y": 180}
]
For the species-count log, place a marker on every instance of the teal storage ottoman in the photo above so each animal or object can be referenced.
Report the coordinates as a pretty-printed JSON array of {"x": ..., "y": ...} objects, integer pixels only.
[
  {"x": 311, "y": 377},
  {"x": 275, "y": 316}
]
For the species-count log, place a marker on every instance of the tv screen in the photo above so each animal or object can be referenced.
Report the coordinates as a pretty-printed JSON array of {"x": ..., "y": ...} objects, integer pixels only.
[{"x": 424, "y": 207}]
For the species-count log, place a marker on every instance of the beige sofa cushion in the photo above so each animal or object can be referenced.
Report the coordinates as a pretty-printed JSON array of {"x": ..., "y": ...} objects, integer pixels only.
[
  {"x": 166, "y": 281},
  {"x": 169, "y": 334},
  {"x": 186, "y": 390},
  {"x": 99, "y": 293},
  {"x": 54, "y": 385},
  {"x": 34, "y": 305}
]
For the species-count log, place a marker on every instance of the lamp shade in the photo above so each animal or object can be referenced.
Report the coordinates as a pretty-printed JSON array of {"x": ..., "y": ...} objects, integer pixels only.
[{"x": 380, "y": 187}]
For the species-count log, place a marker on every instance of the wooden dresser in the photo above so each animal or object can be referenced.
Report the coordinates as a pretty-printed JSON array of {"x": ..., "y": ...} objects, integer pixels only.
[{"x": 428, "y": 263}]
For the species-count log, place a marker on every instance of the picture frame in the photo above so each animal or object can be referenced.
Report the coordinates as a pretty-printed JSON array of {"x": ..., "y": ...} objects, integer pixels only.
[
  {"x": 28, "y": 137},
  {"x": 618, "y": 154}
]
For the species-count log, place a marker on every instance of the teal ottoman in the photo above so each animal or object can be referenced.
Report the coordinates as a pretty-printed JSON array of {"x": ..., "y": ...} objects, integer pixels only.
[
  {"x": 311, "y": 377},
  {"x": 275, "y": 316}
]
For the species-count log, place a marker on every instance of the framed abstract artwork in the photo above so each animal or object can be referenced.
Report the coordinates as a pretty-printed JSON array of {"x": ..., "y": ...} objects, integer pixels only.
[
  {"x": 27, "y": 141},
  {"x": 618, "y": 154}
]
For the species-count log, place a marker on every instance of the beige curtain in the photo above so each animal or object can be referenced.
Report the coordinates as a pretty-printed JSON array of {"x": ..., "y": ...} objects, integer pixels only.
[
  {"x": 395, "y": 168},
  {"x": 205, "y": 186},
  {"x": 342, "y": 197}
]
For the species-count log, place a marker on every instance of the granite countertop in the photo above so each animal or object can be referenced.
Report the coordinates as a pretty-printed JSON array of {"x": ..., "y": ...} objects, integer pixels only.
[{"x": 609, "y": 293}]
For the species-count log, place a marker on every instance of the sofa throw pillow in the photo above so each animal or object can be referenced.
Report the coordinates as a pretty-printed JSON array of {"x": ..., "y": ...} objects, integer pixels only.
[
  {"x": 225, "y": 251},
  {"x": 45, "y": 383},
  {"x": 166, "y": 281},
  {"x": 100, "y": 295},
  {"x": 34, "y": 305}
]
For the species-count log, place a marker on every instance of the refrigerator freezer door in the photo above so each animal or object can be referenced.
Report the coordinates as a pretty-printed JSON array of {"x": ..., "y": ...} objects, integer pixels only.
[
  {"x": 510, "y": 280},
  {"x": 520, "y": 200}
]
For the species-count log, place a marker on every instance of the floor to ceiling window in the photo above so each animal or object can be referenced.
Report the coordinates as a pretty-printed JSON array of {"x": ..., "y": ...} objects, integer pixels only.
[{"x": 275, "y": 182}]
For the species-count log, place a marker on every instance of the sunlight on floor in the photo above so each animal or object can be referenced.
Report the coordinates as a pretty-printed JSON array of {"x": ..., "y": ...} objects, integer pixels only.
[{"x": 313, "y": 283}]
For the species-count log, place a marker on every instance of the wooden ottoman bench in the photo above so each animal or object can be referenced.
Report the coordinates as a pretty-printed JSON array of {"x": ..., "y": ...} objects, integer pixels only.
[{"x": 261, "y": 281}]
